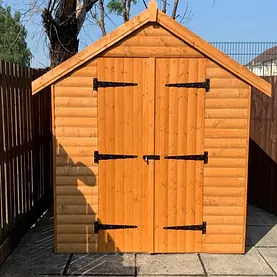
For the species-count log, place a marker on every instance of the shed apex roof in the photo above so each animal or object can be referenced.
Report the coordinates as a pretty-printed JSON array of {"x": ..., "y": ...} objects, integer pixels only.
[{"x": 152, "y": 14}]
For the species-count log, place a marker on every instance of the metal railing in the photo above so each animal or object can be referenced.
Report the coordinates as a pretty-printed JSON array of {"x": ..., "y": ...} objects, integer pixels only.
[{"x": 259, "y": 57}]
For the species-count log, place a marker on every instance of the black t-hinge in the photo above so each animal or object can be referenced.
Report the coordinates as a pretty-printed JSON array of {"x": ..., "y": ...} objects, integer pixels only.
[
  {"x": 205, "y": 85},
  {"x": 202, "y": 227},
  {"x": 98, "y": 226},
  {"x": 106, "y": 84}
]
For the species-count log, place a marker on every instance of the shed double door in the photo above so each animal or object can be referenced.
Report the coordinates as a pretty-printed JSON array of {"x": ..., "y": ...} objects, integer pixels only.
[{"x": 141, "y": 123}]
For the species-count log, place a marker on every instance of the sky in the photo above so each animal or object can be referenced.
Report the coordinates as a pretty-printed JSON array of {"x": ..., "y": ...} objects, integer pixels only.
[{"x": 213, "y": 20}]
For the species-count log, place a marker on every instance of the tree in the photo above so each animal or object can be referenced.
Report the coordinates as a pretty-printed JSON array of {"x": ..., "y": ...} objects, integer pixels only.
[
  {"x": 63, "y": 20},
  {"x": 123, "y": 8},
  {"x": 13, "y": 46}
]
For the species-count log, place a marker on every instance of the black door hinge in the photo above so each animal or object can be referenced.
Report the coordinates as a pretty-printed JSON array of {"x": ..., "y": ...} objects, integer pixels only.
[
  {"x": 105, "y": 84},
  {"x": 98, "y": 157},
  {"x": 98, "y": 226},
  {"x": 203, "y": 157},
  {"x": 202, "y": 227},
  {"x": 205, "y": 85}
]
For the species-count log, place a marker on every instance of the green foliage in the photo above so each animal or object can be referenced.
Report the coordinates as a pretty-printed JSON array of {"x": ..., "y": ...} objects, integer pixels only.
[
  {"x": 117, "y": 7},
  {"x": 13, "y": 46}
]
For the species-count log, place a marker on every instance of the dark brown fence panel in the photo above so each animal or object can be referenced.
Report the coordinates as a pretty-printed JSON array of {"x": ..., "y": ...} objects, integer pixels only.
[
  {"x": 25, "y": 156},
  {"x": 262, "y": 180}
]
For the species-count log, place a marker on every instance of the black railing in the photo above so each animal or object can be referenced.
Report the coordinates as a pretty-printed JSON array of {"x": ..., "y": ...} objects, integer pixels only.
[{"x": 259, "y": 57}]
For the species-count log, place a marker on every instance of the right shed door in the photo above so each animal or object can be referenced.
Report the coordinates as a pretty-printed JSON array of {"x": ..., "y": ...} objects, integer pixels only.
[{"x": 179, "y": 130}]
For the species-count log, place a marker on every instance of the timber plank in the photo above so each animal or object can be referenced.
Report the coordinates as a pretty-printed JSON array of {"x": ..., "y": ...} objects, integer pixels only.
[
  {"x": 77, "y": 247},
  {"x": 224, "y": 143},
  {"x": 213, "y": 211},
  {"x": 76, "y": 122},
  {"x": 136, "y": 51},
  {"x": 226, "y": 113},
  {"x": 77, "y": 210},
  {"x": 224, "y": 182},
  {"x": 225, "y": 172},
  {"x": 76, "y": 171},
  {"x": 224, "y": 229},
  {"x": 217, "y": 191},
  {"x": 76, "y": 112},
  {"x": 218, "y": 72},
  {"x": 77, "y": 200},
  {"x": 77, "y": 102},
  {"x": 75, "y": 152},
  {"x": 218, "y": 248},
  {"x": 227, "y": 163},
  {"x": 76, "y": 190},
  {"x": 74, "y": 229},
  {"x": 86, "y": 71},
  {"x": 78, "y": 142},
  {"x": 226, "y": 123},
  {"x": 78, "y": 160},
  {"x": 75, "y": 92},
  {"x": 81, "y": 181},
  {"x": 227, "y": 201},
  {"x": 222, "y": 239},
  {"x": 85, "y": 238},
  {"x": 154, "y": 41},
  {"x": 226, "y": 152},
  {"x": 227, "y": 93},
  {"x": 226, "y": 103},
  {"x": 224, "y": 220}
]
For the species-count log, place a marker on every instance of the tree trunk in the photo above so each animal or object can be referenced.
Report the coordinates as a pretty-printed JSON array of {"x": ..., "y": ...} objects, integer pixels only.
[
  {"x": 62, "y": 32},
  {"x": 64, "y": 43}
]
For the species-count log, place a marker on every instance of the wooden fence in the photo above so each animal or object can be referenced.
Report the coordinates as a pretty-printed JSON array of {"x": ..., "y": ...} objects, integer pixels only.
[
  {"x": 25, "y": 154},
  {"x": 262, "y": 180}
]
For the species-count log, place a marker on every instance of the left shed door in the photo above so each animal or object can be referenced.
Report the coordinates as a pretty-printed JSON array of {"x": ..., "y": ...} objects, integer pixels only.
[{"x": 124, "y": 183}]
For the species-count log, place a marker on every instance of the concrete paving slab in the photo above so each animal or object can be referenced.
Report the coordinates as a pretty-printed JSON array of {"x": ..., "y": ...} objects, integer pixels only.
[
  {"x": 30, "y": 275},
  {"x": 261, "y": 219},
  {"x": 262, "y": 235},
  {"x": 270, "y": 255},
  {"x": 169, "y": 264},
  {"x": 33, "y": 261},
  {"x": 110, "y": 264},
  {"x": 253, "y": 208},
  {"x": 40, "y": 238},
  {"x": 251, "y": 263},
  {"x": 248, "y": 242}
]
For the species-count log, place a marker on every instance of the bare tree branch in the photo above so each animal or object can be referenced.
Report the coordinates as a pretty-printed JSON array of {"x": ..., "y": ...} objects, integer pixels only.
[
  {"x": 164, "y": 6},
  {"x": 82, "y": 9},
  {"x": 174, "y": 10},
  {"x": 100, "y": 21}
]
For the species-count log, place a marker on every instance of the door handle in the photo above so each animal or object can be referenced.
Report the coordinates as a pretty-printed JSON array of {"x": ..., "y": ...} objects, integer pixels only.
[{"x": 146, "y": 158}]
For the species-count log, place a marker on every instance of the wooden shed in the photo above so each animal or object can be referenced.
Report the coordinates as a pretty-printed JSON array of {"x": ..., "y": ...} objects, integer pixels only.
[{"x": 151, "y": 131}]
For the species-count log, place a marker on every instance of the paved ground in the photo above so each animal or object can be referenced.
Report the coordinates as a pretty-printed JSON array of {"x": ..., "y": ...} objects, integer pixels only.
[{"x": 34, "y": 257}]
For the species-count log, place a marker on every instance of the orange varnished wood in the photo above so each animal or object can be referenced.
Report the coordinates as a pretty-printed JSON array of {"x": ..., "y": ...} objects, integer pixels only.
[
  {"x": 179, "y": 126},
  {"x": 122, "y": 185}
]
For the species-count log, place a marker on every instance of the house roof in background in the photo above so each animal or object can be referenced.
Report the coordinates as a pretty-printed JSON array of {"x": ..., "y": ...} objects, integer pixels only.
[
  {"x": 267, "y": 55},
  {"x": 152, "y": 14}
]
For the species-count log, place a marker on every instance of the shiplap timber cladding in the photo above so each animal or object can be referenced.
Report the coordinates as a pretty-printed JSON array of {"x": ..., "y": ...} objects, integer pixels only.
[
  {"x": 227, "y": 110},
  {"x": 76, "y": 194},
  {"x": 148, "y": 119}
]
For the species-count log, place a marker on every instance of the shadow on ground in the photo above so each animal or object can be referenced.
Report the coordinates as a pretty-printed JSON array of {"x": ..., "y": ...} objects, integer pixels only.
[{"x": 35, "y": 255}]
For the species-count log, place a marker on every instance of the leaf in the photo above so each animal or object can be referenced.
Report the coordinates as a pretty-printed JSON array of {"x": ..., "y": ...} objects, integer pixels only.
[
  {"x": 13, "y": 46},
  {"x": 115, "y": 6}
]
